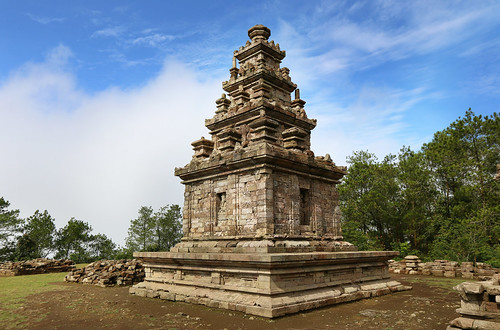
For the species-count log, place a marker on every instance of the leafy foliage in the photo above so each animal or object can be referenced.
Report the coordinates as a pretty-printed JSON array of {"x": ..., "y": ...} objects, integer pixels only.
[
  {"x": 440, "y": 202},
  {"x": 141, "y": 230},
  {"x": 37, "y": 237},
  {"x": 168, "y": 227},
  {"x": 155, "y": 231},
  {"x": 73, "y": 240},
  {"x": 40, "y": 229},
  {"x": 10, "y": 228},
  {"x": 26, "y": 248},
  {"x": 102, "y": 247}
]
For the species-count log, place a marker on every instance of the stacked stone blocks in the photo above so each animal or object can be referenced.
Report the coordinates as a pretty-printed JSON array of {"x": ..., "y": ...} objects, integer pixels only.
[
  {"x": 36, "y": 266},
  {"x": 412, "y": 265},
  {"x": 480, "y": 305},
  {"x": 106, "y": 273}
]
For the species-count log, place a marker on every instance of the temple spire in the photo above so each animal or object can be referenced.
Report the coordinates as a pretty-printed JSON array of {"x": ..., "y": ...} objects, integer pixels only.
[{"x": 259, "y": 32}]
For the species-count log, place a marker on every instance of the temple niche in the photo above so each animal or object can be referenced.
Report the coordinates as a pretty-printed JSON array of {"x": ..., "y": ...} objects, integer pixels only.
[{"x": 261, "y": 220}]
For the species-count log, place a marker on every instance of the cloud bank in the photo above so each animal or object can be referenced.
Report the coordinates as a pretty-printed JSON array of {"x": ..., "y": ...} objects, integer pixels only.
[{"x": 98, "y": 157}]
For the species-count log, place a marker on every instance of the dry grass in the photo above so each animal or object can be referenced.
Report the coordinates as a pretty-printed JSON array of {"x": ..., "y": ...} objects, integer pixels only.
[{"x": 16, "y": 289}]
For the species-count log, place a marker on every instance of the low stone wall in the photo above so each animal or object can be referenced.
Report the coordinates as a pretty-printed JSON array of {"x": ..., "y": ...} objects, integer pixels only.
[
  {"x": 36, "y": 266},
  {"x": 109, "y": 273},
  {"x": 480, "y": 305},
  {"x": 412, "y": 265}
]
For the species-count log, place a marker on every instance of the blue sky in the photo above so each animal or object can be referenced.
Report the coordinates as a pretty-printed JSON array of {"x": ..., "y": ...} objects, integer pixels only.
[{"x": 100, "y": 100}]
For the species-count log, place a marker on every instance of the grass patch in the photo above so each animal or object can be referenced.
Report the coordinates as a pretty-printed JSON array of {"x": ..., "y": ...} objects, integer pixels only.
[
  {"x": 78, "y": 266},
  {"x": 74, "y": 304},
  {"x": 446, "y": 283},
  {"x": 16, "y": 289}
]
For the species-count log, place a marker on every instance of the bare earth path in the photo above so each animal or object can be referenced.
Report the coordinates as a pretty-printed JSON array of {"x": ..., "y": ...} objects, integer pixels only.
[{"x": 430, "y": 305}]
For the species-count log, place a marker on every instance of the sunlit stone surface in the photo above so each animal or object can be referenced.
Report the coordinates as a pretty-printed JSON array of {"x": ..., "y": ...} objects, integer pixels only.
[{"x": 261, "y": 217}]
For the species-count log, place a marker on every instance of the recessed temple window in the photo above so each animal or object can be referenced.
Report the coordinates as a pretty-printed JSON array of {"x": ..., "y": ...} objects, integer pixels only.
[
  {"x": 220, "y": 207},
  {"x": 304, "y": 207}
]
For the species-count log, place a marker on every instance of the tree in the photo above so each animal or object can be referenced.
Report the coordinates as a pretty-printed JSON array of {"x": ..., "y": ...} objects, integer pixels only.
[
  {"x": 168, "y": 227},
  {"x": 463, "y": 160},
  {"x": 40, "y": 228},
  {"x": 154, "y": 231},
  {"x": 72, "y": 241},
  {"x": 142, "y": 230},
  {"x": 417, "y": 195},
  {"x": 123, "y": 253},
  {"x": 26, "y": 248},
  {"x": 38, "y": 238},
  {"x": 10, "y": 228},
  {"x": 101, "y": 247},
  {"x": 368, "y": 196},
  {"x": 441, "y": 202}
]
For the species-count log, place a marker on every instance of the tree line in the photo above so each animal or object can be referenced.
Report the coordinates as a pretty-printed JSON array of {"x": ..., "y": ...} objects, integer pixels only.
[
  {"x": 38, "y": 237},
  {"x": 441, "y": 202}
]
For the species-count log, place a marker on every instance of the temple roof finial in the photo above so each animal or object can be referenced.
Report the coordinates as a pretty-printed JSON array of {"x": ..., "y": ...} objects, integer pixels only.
[{"x": 259, "y": 32}]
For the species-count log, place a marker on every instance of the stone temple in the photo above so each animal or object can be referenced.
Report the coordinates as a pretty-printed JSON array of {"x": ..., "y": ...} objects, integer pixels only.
[{"x": 261, "y": 220}]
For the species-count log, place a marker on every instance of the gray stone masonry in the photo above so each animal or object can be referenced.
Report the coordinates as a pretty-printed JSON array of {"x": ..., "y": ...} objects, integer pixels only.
[
  {"x": 412, "y": 265},
  {"x": 257, "y": 178},
  {"x": 261, "y": 219},
  {"x": 36, "y": 266},
  {"x": 480, "y": 305}
]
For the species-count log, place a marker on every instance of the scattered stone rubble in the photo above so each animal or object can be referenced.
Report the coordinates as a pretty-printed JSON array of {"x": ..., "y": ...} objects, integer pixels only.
[
  {"x": 109, "y": 273},
  {"x": 412, "y": 265},
  {"x": 480, "y": 305},
  {"x": 36, "y": 266}
]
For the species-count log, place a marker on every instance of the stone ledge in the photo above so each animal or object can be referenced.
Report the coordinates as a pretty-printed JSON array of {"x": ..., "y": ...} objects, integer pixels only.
[
  {"x": 232, "y": 244},
  {"x": 272, "y": 258},
  {"x": 270, "y": 307}
]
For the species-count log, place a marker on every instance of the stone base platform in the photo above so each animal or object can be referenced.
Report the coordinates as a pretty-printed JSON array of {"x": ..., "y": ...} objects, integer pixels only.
[
  {"x": 251, "y": 245},
  {"x": 266, "y": 284}
]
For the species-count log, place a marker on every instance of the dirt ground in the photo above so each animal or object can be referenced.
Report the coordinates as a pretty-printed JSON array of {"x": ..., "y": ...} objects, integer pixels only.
[{"x": 430, "y": 305}]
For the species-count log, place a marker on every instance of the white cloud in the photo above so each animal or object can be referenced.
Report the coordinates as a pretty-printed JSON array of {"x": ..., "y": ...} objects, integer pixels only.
[
  {"x": 114, "y": 31},
  {"x": 44, "y": 20},
  {"x": 486, "y": 84},
  {"x": 329, "y": 55},
  {"x": 98, "y": 157},
  {"x": 152, "y": 40},
  {"x": 116, "y": 56},
  {"x": 373, "y": 121},
  {"x": 337, "y": 40}
]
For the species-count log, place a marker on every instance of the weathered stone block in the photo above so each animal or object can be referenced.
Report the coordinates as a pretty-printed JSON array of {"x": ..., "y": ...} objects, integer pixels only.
[
  {"x": 491, "y": 306},
  {"x": 473, "y": 305},
  {"x": 449, "y": 273},
  {"x": 167, "y": 296},
  {"x": 439, "y": 273},
  {"x": 462, "y": 323},
  {"x": 472, "y": 288}
]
